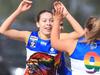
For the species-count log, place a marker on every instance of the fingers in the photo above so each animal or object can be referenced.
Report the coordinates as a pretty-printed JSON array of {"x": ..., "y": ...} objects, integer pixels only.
[
  {"x": 28, "y": 1},
  {"x": 56, "y": 3},
  {"x": 58, "y": 8},
  {"x": 25, "y": 2}
]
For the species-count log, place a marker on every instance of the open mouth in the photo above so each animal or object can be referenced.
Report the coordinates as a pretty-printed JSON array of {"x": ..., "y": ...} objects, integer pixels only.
[{"x": 48, "y": 28}]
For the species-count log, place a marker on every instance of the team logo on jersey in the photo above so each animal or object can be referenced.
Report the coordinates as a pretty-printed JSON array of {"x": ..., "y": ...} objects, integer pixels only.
[
  {"x": 52, "y": 51},
  {"x": 33, "y": 41}
]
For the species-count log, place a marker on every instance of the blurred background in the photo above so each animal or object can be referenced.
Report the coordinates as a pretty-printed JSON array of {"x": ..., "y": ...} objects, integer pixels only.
[{"x": 13, "y": 53}]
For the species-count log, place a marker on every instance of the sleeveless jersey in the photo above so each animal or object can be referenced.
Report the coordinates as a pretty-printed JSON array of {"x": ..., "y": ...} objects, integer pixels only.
[
  {"x": 85, "y": 60},
  {"x": 42, "y": 59}
]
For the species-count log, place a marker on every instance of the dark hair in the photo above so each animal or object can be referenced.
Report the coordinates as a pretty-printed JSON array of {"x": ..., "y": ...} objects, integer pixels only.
[
  {"x": 93, "y": 26},
  {"x": 90, "y": 22},
  {"x": 41, "y": 12}
]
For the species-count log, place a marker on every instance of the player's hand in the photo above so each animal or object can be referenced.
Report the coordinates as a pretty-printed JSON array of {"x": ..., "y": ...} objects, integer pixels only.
[
  {"x": 58, "y": 11},
  {"x": 24, "y": 5},
  {"x": 65, "y": 11}
]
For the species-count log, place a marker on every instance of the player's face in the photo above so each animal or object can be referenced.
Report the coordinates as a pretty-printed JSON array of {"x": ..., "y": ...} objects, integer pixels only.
[{"x": 45, "y": 23}]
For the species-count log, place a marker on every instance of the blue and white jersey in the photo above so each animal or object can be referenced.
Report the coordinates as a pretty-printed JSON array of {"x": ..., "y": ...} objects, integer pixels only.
[
  {"x": 42, "y": 57},
  {"x": 85, "y": 60},
  {"x": 36, "y": 44}
]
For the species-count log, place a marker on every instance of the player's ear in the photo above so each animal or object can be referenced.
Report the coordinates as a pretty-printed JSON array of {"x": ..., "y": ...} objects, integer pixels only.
[{"x": 37, "y": 24}]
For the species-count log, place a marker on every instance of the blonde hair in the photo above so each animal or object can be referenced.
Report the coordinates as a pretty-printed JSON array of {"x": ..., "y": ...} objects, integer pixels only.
[{"x": 93, "y": 26}]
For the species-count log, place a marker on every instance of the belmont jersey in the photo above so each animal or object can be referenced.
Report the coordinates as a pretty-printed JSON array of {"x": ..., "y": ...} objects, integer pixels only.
[
  {"x": 85, "y": 60},
  {"x": 42, "y": 59}
]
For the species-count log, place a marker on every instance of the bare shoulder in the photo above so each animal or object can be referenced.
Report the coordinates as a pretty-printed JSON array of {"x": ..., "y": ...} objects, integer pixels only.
[
  {"x": 25, "y": 35},
  {"x": 64, "y": 35},
  {"x": 69, "y": 45}
]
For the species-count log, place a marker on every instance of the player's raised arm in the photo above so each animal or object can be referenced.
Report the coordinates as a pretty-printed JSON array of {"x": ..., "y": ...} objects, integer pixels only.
[
  {"x": 78, "y": 30},
  {"x": 5, "y": 27}
]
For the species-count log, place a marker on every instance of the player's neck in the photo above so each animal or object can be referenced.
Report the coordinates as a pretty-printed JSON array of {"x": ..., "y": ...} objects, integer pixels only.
[{"x": 44, "y": 37}]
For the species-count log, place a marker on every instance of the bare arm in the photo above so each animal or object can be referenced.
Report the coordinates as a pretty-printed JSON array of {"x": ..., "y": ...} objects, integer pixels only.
[
  {"x": 58, "y": 43},
  {"x": 12, "y": 33},
  {"x": 78, "y": 30}
]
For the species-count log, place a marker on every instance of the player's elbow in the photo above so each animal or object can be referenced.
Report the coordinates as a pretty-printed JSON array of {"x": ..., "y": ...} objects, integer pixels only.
[{"x": 2, "y": 31}]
